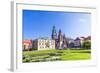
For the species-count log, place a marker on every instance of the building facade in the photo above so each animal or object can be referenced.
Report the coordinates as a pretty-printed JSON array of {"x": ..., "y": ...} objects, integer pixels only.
[
  {"x": 43, "y": 44},
  {"x": 27, "y": 45},
  {"x": 77, "y": 43}
]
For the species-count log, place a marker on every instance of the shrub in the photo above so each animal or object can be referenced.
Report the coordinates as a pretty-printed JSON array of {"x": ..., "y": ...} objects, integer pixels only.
[{"x": 26, "y": 60}]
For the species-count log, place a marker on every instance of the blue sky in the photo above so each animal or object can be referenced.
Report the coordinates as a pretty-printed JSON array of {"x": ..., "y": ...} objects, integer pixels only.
[{"x": 39, "y": 23}]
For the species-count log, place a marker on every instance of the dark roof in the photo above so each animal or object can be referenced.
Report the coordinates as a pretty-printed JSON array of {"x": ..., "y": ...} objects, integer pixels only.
[{"x": 77, "y": 38}]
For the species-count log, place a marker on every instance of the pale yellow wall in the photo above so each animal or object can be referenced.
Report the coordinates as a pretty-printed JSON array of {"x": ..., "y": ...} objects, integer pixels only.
[{"x": 43, "y": 42}]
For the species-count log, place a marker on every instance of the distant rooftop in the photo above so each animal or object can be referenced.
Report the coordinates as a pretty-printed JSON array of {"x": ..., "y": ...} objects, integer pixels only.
[{"x": 27, "y": 41}]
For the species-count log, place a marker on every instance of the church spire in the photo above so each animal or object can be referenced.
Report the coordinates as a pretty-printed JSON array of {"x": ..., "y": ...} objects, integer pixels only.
[{"x": 54, "y": 33}]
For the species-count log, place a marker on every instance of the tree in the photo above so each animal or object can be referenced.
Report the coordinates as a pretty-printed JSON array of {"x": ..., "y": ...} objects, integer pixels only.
[{"x": 86, "y": 45}]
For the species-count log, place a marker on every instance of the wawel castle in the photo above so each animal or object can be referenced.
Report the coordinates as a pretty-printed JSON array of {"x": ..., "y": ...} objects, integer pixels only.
[{"x": 57, "y": 41}]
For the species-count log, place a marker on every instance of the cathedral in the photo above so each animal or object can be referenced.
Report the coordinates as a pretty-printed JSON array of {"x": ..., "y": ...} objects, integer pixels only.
[{"x": 60, "y": 39}]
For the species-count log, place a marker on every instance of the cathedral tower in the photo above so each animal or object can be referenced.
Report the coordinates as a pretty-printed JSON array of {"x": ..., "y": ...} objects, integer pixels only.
[
  {"x": 54, "y": 33},
  {"x": 60, "y": 40}
]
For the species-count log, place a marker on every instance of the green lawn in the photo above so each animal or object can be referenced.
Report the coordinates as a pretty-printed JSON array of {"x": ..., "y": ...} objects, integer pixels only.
[{"x": 54, "y": 55}]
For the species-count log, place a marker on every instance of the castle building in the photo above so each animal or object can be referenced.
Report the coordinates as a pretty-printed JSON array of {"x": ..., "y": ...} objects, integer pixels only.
[
  {"x": 56, "y": 42},
  {"x": 60, "y": 40},
  {"x": 43, "y": 44}
]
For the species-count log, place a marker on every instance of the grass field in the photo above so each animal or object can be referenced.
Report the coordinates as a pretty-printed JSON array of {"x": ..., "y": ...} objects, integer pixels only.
[{"x": 56, "y": 55}]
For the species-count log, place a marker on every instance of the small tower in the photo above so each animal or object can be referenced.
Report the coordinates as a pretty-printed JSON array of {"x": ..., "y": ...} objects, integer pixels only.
[
  {"x": 64, "y": 42},
  {"x": 54, "y": 36},
  {"x": 60, "y": 40}
]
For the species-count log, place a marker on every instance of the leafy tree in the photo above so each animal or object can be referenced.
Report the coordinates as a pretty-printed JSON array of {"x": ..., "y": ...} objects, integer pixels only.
[{"x": 86, "y": 45}]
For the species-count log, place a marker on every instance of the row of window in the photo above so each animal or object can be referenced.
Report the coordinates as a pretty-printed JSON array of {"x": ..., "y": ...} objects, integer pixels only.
[
  {"x": 46, "y": 47},
  {"x": 44, "y": 43}
]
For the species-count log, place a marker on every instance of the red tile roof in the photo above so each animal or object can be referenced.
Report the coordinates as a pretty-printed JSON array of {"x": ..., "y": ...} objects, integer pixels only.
[{"x": 27, "y": 41}]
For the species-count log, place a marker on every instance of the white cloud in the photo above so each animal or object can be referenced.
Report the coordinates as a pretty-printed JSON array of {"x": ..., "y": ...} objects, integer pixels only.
[{"x": 82, "y": 20}]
